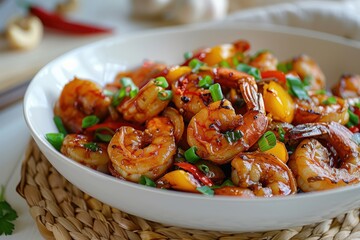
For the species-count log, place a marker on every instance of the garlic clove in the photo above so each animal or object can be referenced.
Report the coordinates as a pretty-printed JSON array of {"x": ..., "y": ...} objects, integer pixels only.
[{"x": 24, "y": 33}]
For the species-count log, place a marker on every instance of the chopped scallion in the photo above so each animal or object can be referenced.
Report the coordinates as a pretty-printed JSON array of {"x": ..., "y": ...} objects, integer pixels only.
[
  {"x": 59, "y": 125},
  {"x": 103, "y": 137},
  {"x": 165, "y": 95},
  {"x": 195, "y": 64},
  {"x": 92, "y": 146},
  {"x": 320, "y": 92},
  {"x": 296, "y": 87},
  {"x": 216, "y": 93},
  {"x": 55, "y": 139},
  {"x": 353, "y": 118},
  {"x": 330, "y": 100},
  {"x": 133, "y": 93},
  {"x": 188, "y": 55},
  {"x": 249, "y": 70},
  {"x": 206, "y": 82},
  {"x": 267, "y": 141},
  {"x": 206, "y": 190},
  {"x": 108, "y": 93},
  {"x": 144, "y": 180},
  {"x": 281, "y": 132},
  {"x": 89, "y": 121},
  {"x": 204, "y": 168},
  {"x": 191, "y": 156},
  {"x": 233, "y": 136},
  {"x": 284, "y": 67},
  {"x": 224, "y": 64},
  {"x": 119, "y": 97},
  {"x": 161, "y": 82}
]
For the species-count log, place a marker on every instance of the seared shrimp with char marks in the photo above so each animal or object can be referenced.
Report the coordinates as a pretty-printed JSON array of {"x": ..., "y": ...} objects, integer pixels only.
[
  {"x": 312, "y": 164},
  {"x": 146, "y": 104},
  {"x": 82, "y": 149},
  {"x": 318, "y": 109},
  {"x": 78, "y": 99},
  {"x": 206, "y": 130},
  {"x": 261, "y": 175},
  {"x": 134, "y": 153}
]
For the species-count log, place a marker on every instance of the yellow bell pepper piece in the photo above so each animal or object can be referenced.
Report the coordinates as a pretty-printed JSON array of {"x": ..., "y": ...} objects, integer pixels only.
[
  {"x": 280, "y": 151},
  {"x": 181, "y": 180},
  {"x": 176, "y": 72},
  {"x": 219, "y": 53},
  {"x": 278, "y": 102}
]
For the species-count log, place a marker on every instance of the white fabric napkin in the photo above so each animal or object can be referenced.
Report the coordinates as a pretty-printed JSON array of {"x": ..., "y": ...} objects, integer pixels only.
[{"x": 340, "y": 18}]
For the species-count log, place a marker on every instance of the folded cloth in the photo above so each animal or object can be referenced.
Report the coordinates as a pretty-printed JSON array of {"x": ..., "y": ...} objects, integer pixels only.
[{"x": 340, "y": 18}]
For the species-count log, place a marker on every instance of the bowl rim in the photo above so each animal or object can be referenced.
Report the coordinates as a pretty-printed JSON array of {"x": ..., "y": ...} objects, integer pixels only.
[{"x": 169, "y": 30}]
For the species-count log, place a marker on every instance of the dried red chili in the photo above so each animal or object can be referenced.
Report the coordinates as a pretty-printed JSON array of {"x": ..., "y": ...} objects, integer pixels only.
[{"x": 54, "y": 21}]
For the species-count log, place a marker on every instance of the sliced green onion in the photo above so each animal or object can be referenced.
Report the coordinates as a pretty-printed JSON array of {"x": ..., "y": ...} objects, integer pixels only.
[
  {"x": 59, "y": 125},
  {"x": 103, "y": 137},
  {"x": 89, "y": 121},
  {"x": 204, "y": 168},
  {"x": 249, "y": 70},
  {"x": 349, "y": 124},
  {"x": 206, "y": 82},
  {"x": 119, "y": 97},
  {"x": 106, "y": 129},
  {"x": 307, "y": 80},
  {"x": 216, "y": 92},
  {"x": 92, "y": 146},
  {"x": 233, "y": 136},
  {"x": 55, "y": 139},
  {"x": 235, "y": 59},
  {"x": 195, "y": 64},
  {"x": 330, "y": 100},
  {"x": 133, "y": 93},
  {"x": 127, "y": 82},
  {"x": 281, "y": 132},
  {"x": 296, "y": 87},
  {"x": 320, "y": 92},
  {"x": 224, "y": 64},
  {"x": 227, "y": 182},
  {"x": 284, "y": 67},
  {"x": 165, "y": 95},
  {"x": 206, "y": 190},
  {"x": 191, "y": 156},
  {"x": 188, "y": 55},
  {"x": 353, "y": 118},
  {"x": 267, "y": 141},
  {"x": 144, "y": 180},
  {"x": 161, "y": 82}
]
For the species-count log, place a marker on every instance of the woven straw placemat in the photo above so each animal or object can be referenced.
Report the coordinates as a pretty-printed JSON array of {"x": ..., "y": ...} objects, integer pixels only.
[{"x": 62, "y": 211}]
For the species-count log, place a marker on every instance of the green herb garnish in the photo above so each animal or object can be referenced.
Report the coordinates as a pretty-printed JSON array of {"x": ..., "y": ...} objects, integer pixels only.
[
  {"x": 144, "y": 180},
  {"x": 7, "y": 215},
  {"x": 267, "y": 141},
  {"x": 89, "y": 121},
  {"x": 249, "y": 70},
  {"x": 205, "y": 190}
]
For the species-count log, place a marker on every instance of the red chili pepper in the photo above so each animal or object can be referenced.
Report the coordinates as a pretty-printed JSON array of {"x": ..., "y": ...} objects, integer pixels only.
[
  {"x": 357, "y": 111},
  {"x": 196, "y": 172},
  {"x": 280, "y": 76},
  {"x": 242, "y": 45},
  {"x": 55, "y": 21},
  {"x": 113, "y": 126},
  {"x": 354, "y": 129}
]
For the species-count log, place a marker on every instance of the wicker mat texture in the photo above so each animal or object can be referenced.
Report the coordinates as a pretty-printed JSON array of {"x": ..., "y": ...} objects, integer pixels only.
[{"x": 62, "y": 211}]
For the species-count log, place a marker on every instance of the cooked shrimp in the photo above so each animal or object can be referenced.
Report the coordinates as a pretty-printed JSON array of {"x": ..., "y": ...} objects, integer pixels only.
[
  {"x": 206, "y": 131},
  {"x": 145, "y": 105},
  {"x": 177, "y": 120},
  {"x": 134, "y": 153},
  {"x": 317, "y": 109},
  {"x": 78, "y": 99},
  {"x": 348, "y": 86},
  {"x": 264, "y": 174},
  {"x": 264, "y": 61},
  {"x": 188, "y": 97},
  {"x": 311, "y": 163},
  {"x": 82, "y": 149},
  {"x": 305, "y": 67}
]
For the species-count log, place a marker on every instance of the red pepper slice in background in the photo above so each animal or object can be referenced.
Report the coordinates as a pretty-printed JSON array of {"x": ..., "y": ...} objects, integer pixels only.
[
  {"x": 196, "y": 172},
  {"x": 354, "y": 129},
  {"x": 113, "y": 126},
  {"x": 280, "y": 76},
  {"x": 242, "y": 45},
  {"x": 57, "y": 22}
]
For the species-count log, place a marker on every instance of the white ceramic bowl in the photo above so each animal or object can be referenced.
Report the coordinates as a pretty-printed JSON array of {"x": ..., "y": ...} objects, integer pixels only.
[{"x": 101, "y": 60}]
